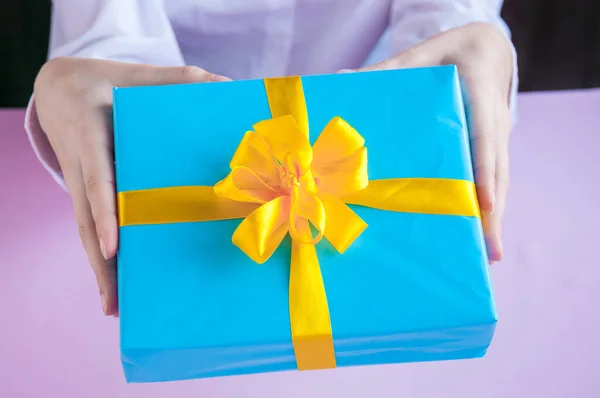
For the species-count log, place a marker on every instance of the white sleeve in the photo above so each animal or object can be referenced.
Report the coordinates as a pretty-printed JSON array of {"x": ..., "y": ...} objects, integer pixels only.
[
  {"x": 136, "y": 31},
  {"x": 413, "y": 21}
]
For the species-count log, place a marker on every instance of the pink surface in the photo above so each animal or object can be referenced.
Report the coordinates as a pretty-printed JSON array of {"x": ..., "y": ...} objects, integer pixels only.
[{"x": 54, "y": 342}]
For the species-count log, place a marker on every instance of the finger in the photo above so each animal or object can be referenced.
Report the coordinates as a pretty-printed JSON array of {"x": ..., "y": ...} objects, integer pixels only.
[
  {"x": 430, "y": 52},
  {"x": 483, "y": 140},
  {"x": 493, "y": 222},
  {"x": 105, "y": 270},
  {"x": 415, "y": 57},
  {"x": 494, "y": 232},
  {"x": 492, "y": 228},
  {"x": 99, "y": 182},
  {"x": 147, "y": 75}
]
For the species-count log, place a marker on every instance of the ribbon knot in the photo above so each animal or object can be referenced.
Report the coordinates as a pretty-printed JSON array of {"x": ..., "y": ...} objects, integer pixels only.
[
  {"x": 289, "y": 181},
  {"x": 275, "y": 166}
]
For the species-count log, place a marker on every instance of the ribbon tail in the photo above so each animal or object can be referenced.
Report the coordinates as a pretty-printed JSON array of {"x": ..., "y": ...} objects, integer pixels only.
[
  {"x": 343, "y": 224},
  {"x": 259, "y": 234},
  {"x": 309, "y": 313}
]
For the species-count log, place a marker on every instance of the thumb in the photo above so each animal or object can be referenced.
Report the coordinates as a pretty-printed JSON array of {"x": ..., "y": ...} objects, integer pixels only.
[
  {"x": 428, "y": 53},
  {"x": 148, "y": 75}
]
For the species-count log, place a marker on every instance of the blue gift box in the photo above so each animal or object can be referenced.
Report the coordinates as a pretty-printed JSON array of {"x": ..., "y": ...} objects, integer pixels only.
[{"x": 413, "y": 287}]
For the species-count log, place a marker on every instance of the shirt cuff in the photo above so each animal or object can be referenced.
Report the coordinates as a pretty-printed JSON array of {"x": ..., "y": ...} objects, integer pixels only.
[
  {"x": 514, "y": 86},
  {"x": 41, "y": 146}
]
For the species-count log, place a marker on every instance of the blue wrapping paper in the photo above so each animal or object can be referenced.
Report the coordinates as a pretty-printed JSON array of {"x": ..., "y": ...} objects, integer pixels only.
[{"x": 412, "y": 287}]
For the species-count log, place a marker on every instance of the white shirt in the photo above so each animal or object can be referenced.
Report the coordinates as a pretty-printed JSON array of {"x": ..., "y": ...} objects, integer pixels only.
[{"x": 248, "y": 39}]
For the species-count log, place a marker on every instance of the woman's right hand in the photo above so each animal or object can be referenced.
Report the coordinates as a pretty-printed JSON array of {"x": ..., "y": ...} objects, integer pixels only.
[{"x": 73, "y": 98}]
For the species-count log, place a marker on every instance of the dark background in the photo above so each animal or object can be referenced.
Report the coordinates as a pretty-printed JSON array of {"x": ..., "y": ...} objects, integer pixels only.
[{"x": 557, "y": 41}]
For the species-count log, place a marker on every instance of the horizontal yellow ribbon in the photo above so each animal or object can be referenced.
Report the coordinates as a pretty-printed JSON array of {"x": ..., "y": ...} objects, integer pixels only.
[
  {"x": 199, "y": 203},
  {"x": 279, "y": 184}
]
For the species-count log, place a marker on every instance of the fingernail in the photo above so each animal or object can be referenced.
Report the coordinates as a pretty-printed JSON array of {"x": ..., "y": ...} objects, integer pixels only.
[
  {"x": 346, "y": 71},
  {"x": 219, "y": 78},
  {"x": 104, "y": 303},
  {"x": 103, "y": 248}
]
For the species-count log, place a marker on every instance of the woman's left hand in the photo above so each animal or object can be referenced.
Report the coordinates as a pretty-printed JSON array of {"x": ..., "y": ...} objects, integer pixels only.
[{"x": 484, "y": 59}]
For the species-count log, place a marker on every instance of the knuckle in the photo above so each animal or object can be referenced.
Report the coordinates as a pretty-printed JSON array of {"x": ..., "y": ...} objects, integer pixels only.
[
  {"x": 104, "y": 217},
  {"x": 408, "y": 57},
  {"x": 503, "y": 177},
  {"x": 55, "y": 66},
  {"x": 505, "y": 119},
  {"x": 57, "y": 71},
  {"x": 483, "y": 165},
  {"x": 487, "y": 39},
  {"x": 98, "y": 267},
  {"x": 91, "y": 185},
  {"x": 95, "y": 142},
  {"x": 105, "y": 273},
  {"x": 481, "y": 26},
  {"x": 413, "y": 54},
  {"x": 73, "y": 77},
  {"x": 483, "y": 143},
  {"x": 47, "y": 75},
  {"x": 194, "y": 73},
  {"x": 83, "y": 228},
  {"x": 484, "y": 173}
]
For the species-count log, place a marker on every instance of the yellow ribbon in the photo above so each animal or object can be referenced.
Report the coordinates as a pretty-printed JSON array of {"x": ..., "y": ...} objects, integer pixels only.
[{"x": 279, "y": 184}]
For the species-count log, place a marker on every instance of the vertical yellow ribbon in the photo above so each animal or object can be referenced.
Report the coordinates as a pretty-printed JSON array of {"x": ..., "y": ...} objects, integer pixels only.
[{"x": 309, "y": 312}]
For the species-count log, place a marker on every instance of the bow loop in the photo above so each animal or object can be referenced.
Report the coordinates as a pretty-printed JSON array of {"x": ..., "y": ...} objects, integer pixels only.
[
  {"x": 245, "y": 185},
  {"x": 278, "y": 144},
  {"x": 255, "y": 153},
  {"x": 337, "y": 141},
  {"x": 261, "y": 232},
  {"x": 288, "y": 144}
]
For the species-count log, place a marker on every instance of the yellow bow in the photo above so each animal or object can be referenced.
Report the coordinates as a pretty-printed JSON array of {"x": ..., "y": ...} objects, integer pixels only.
[
  {"x": 276, "y": 167},
  {"x": 279, "y": 184}
]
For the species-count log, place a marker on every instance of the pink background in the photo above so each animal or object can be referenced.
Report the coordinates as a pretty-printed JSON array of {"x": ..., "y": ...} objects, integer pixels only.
[{"x": 54, "y": 342}]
